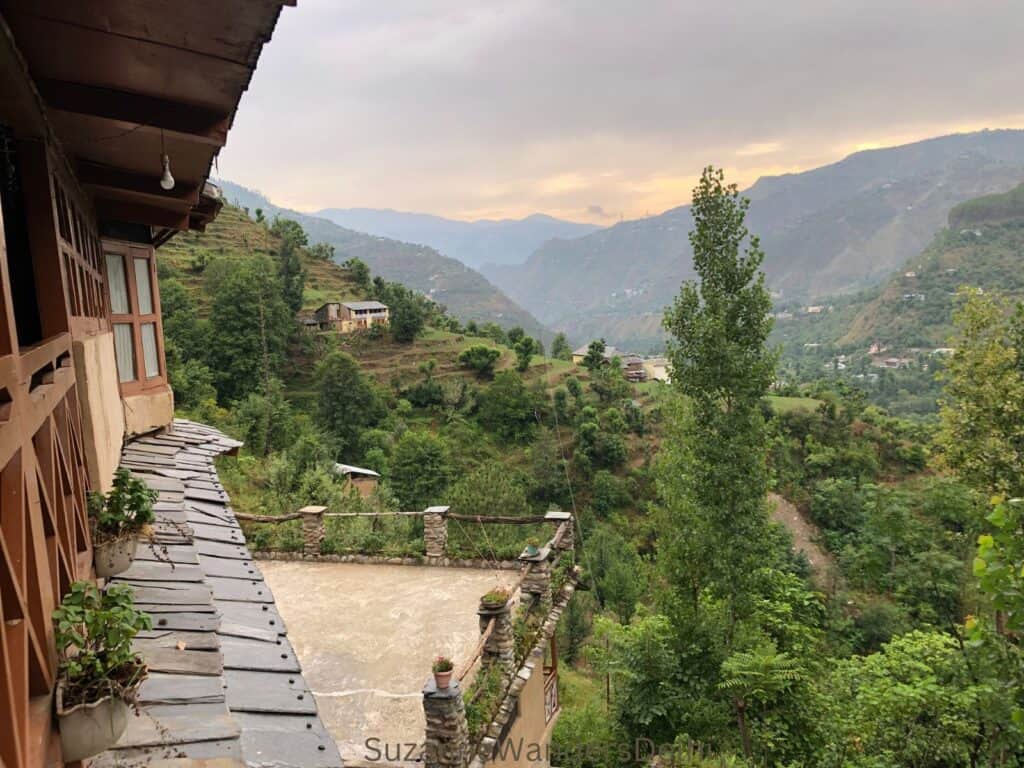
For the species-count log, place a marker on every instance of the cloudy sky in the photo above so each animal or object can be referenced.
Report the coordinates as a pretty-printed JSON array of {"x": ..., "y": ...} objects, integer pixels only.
[{"x": 596, "y": 109}]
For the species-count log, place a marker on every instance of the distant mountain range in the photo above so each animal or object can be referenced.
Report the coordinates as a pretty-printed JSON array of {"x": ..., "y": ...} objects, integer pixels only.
[
  {"x": 831, "y": 230},
  {"x": 474, "y": 243},
  {"x": 465, "y": 292}
]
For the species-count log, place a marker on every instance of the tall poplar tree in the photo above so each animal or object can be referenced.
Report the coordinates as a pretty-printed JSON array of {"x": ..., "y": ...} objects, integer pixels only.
[{"x": 719, "y": 324}]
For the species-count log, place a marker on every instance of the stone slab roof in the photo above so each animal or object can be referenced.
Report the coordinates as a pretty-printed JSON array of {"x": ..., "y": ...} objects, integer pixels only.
[{"x": 225, "y": 688}]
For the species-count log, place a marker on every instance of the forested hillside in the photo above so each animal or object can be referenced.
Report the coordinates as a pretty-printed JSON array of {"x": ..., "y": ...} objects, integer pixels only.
[{"x": 445, "y": 280}]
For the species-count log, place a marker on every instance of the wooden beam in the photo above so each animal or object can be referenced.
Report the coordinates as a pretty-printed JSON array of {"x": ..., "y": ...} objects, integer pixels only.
[
  {"x": 187, "y": 119},
  {"x": 108, "y": 177},
  {"x": 140, "y": 213}
]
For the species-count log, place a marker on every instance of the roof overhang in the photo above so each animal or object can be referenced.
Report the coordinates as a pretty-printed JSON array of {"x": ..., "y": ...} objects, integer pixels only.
[{"x": 121, "y": 82}]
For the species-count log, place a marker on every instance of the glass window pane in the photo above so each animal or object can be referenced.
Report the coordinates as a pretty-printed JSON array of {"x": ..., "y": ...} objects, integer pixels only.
[
  {"x": 142, "y": 287},
  {"x": 149, "y": 350},
  {"x": 118, "y": 285},
  {"x": 124, "y": 347}
]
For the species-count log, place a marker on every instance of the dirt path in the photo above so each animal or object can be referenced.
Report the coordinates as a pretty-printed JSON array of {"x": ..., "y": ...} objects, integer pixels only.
[{"x": 823, "y": 566}]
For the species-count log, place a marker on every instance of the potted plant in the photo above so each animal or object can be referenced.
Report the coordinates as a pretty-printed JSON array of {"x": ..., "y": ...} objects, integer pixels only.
[
  {"x": 532, "y": 547},
  {"x": 118, "y": 518},
  {"x": 496, "y": 598},
  {"x": 98, "y": 673},
  {"x": 443, "y": 672}
]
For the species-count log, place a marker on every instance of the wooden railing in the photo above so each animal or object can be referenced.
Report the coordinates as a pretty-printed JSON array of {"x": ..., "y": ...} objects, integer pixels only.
[
  {"x": 44, "y": 534},
  {"x": 551, "y": 704}
]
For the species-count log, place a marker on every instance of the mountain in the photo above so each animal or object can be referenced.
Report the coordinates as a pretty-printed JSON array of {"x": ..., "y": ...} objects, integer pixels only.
[
  {"x": 474, "y": 243},
  {"x": 983, "y": 248},
  {"x": 466, "y": 293},
  {"x": 834, "y": 229}
]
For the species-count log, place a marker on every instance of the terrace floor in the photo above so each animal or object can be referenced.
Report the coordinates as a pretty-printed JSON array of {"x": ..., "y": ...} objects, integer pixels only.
[{"x": 366, "y": 636}]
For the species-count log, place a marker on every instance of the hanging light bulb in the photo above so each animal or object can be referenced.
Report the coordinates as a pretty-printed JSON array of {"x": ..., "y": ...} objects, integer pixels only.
[{"x": 167, "y": 181}]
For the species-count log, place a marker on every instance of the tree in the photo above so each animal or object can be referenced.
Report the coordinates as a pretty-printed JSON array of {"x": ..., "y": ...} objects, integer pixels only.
[
  {"x": 560, "y": 349},
  {"x": 982, "y": 410},
  {"x": 322, "y": 252},
  {"x": 407, "y": 318},
  {"x": 291, "y": 273},
  {"x": 720, "y": 364},
  {"x": 346, "y": 402},
  {"x": 249, "y": 325},
  {"x": 525, "y": 348},
  {"x": 420, "y": 470},
  {"x": 480, "y": 358},
  {"x": 290, "y": 231},
  {"x": 508, "y": 408},
  {"x": 359, "y": 271},
  {"x": 594, "y": 358}
]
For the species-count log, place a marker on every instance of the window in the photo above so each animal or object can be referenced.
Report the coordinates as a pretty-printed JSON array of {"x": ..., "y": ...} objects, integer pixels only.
[{"x": 135, "y": 313}]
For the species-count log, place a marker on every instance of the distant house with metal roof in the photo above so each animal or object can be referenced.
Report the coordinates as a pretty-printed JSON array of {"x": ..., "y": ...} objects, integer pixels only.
[
  {"x": 349, "y": 316},
  {"x": 363, "y": 480}
]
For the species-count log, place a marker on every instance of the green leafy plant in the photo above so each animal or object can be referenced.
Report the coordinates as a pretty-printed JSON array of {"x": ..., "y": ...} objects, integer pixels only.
[
  {"x": 443, "y": 664},
  {"x": 126, "y": 508},
  {"x": 94, "y": 633},
  {"x": 496, "y": 597}
]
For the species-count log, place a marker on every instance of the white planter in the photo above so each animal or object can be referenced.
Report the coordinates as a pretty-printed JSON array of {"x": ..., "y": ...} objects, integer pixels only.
[
  {"x": 114, "y": 557},
  {"x": 88, "y": 729}
]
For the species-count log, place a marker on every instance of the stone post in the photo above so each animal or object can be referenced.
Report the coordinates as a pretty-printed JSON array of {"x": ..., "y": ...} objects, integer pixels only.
[
  {"x": 537, "y": 581},
  {"x": 312, "y": 529},
  {"x": 563, "y": 520},
  {"x": 435, "y": 532},
  {"x": 447, "y": 733},
  {"x": 500, "y": 647}
]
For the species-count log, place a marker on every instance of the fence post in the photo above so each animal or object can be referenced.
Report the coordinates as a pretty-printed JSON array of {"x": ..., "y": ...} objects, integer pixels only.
[
  {"x": 537, "y": 581},
  {"x": 564, "y": 522},
  {"x": 500, "y": 647},
  {"x": 312, "y": 529},
  {"x": 447, "y": 734},
  {"x": 435, "y": 532}
]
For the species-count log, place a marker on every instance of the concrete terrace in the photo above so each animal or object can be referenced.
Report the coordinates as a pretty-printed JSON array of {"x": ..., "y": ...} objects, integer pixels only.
[
  {"x": 367, "y": 635},
  {"x": 224, "y": 684}
]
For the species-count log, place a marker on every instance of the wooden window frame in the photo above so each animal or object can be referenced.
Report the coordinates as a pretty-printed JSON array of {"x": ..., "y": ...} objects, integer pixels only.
[{"x": 128, "y": 253}]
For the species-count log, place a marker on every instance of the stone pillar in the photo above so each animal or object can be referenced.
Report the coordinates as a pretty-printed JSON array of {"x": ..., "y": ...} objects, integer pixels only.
[
  {"x": 537, "y": 581},
  {"x": 500, "y": 647},
  {"x": 312, "y": 529},
  {"x": 435, "y": 531},
  {"x": 447, "y": 733}
]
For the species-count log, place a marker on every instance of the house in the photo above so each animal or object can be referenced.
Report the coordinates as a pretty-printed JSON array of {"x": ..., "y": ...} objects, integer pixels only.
[
  {"x": 112, "y": 114},
  {"x": 633, "y": 368},
  {"x": 349, "y": 316},
  {"x": 363, "y": 480},
  {"x": 656, "y": 368}
]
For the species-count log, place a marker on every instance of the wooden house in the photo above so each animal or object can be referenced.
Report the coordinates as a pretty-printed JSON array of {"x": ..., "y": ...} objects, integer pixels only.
[{"x": 111, "y": 115}]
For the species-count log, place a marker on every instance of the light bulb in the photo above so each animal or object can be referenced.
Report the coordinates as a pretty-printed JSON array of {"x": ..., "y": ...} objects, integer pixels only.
[{"x": 167, "y": 181}]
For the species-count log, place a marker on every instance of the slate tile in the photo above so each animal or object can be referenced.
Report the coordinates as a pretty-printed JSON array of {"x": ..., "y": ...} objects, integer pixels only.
[
  {"x": 270, "y": 692},
  {"x": 161, "y": 688},
  {"x": 176, "y": 724},
  {"x": 239, "y": 589},
  {"x": 240, "y": 653},
  {"x": 284, "y": 741}
]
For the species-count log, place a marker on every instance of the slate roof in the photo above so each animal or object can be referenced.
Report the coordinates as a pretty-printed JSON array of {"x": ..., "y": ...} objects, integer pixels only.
[
  {"x": 364, "y": 305},
  {"x": 224, "y": 682}
]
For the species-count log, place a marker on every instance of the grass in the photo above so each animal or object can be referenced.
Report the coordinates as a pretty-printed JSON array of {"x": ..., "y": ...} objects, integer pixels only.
[{"x": 790, "y": 404}]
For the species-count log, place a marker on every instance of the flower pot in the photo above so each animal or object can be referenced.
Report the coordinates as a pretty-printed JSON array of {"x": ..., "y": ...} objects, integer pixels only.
[
  {"x": 90, "y": 728},
  {"x": 443, "y": 679},
  {"x": 114, "y": 556}
]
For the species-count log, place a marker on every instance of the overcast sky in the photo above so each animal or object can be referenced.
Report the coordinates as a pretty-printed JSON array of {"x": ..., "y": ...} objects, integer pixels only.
[{"x": 596, "y": 109}]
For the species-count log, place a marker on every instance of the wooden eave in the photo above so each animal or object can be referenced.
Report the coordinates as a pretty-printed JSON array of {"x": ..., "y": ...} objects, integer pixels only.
[{"x": 123, "y": 81}]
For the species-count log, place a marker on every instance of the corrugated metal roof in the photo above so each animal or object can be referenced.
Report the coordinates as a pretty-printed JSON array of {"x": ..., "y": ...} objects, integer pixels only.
[{"x": 348, "y": 469}]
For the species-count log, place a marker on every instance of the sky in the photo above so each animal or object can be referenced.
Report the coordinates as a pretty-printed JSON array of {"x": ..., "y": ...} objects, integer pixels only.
[{"x": 596, "y": 110}]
